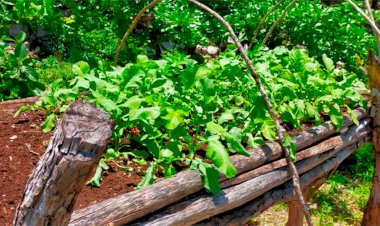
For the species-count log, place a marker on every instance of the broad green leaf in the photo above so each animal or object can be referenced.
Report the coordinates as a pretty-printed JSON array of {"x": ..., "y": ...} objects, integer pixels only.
[
  {"x": 216, "y": 152},
  {"x": 149, "y": 176},
  {"x": 336, "y": 116},
  {"x": 142, "y": 59},
  {"x": 133, "y": 102},
  {"x": 30, "y": 73},
  {"x": 225, "y": 117},
  {"x": 21, "y": 36},
  {"x": 20, "y": 51},
  {"x": 148, "y": 114},
  {"x": 329, "y": 64},
  {"x": 174, "y": 117},
  {"x": 210, "y": 177},
  {"x": 254, "y": 142},
  {"x": 81, "y": 68},
  {"x": 214, "y": 128},
  {"x": 49, "y": 123},
  {"x": 235, "y": 145},
  {"x": 202, "y": 72},
  {"x": 268, "y": 130}
]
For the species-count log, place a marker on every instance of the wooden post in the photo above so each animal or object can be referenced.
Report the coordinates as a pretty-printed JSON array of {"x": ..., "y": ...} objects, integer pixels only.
[
  {"x": 371, "y": 214},
  {"x": 73, "y": 151}
]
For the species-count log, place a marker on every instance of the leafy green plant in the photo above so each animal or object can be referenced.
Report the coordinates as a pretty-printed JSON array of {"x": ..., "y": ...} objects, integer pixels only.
[
  {"x": 170, "y": 109},
  {"x": 17, "y": 77}
]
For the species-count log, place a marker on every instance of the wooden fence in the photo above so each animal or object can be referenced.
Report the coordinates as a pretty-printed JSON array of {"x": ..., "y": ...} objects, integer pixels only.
[{"x": 262, "y": 180}]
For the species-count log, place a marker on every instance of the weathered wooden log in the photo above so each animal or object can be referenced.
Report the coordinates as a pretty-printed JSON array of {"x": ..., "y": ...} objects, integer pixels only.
[
  {"x": 283, "y": 193},
  {"x": 335, "y": 143},
  {"x": 202, "y": 207},
  {"x": 371, "y": 214},
  {"x": 133, "y": 205},
  {"x": 74, "y": 150}
]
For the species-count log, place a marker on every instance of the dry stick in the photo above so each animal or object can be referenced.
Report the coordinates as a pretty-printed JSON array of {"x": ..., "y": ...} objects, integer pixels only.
[
  {"x": 369, "y": 10},
  {"x": 263, "y": 93},
  {"x": 371, "y": 23},
  {"x": 253, "y": 40},
  {"x": 278, "y": 21},
  {"x": 130, "y": 29}
]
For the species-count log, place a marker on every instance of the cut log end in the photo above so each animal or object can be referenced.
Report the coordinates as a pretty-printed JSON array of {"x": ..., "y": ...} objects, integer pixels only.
[{"x": 73, "y": 151}]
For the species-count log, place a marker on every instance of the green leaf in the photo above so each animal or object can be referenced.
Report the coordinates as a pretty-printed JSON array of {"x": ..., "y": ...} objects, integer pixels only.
[
  {"x": 148, "y": 114},
  {"x": 216, "y": 152},
  {"x": 142, "y": 59},
  {"x": 30, "y": 73},
  {"x": 20, "y": 51},
  {"x": 291, "y": 146},
  {"x": 169, "y": 171},
  {"x": 95, "y": 180},
  {"x": 21, "y": 36},
  {"x": 174, "y": 117},
  {"x": 210, "y": 177},
  {"x": 49, "y": 123},
  {"x": 352, "y": 115},
  {"x": 149, "y": 176},
  {"x": 336, "y": 116},
  {"x": 81, "y": 68},
  {"x": 254, "y": 142},
  {"x": 133, "y": 102},
  {"x": 268, "y": 130},
  {"x": 225, "y": 117},
  {"x": 329, "y": 64},
  {"x": 214, "y": 128},
  {"x": 235, "y": 145},
  {"x": 202, "y": 72}
]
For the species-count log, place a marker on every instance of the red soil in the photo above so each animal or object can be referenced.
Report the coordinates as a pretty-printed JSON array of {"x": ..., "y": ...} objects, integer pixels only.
[{"x": 22, "y": 143}]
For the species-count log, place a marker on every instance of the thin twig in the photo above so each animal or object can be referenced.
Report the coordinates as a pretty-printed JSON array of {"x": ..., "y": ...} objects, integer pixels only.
[
  {"x": 278, "y": 21},
  {"x": 369, "y": 10},
  {"x": 263, "y": 93},
  {"x": 372, "y": 24},
  {"x": 130, "y": 29},
  {"x": 253, "y": 40}
]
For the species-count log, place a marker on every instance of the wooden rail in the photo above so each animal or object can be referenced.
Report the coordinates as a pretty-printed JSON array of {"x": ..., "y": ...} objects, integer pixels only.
[{"x": 263, "y": 178}]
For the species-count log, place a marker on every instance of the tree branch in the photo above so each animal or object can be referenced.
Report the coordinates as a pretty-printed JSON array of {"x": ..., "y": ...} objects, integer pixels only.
[
  {"x": 130, "y": 29},
  {"x": 369, "y": 10},
  {"x": 263, "y": 93},
  {"x": 253, "y": 40},
  {"x": 274, "y": 25}
]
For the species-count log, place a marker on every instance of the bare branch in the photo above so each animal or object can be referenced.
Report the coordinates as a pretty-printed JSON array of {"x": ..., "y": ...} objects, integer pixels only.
[
  {"x": 130, "y": 29},
  {"x": 263, "y": 93},
  {"x": 369, "y": 10},
  {"x": 278, "y": 21},
  {"x": 370, "y": 22},
  {"x": 253, "y": 40}
]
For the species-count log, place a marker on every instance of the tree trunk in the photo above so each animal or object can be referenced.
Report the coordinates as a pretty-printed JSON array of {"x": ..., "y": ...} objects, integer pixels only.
[
  {"x": 73, "y": 151},
  {"x": 371, "y": 214}
]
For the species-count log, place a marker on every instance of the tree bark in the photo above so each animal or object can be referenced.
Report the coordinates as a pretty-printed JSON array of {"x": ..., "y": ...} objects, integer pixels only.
[
  {"x": 73, "y": 151},
  {"x": 205, "y": 206},
  {"x": 283, "y": 193},
  {"x": 371, "y": 214}
]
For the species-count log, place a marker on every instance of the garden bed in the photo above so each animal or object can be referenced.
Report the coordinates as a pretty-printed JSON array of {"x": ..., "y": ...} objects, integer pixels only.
[{"x": 17, "y": 132}]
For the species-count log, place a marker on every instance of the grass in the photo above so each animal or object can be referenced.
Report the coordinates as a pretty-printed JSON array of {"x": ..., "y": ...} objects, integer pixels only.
[{"x": 340, "y": 201}]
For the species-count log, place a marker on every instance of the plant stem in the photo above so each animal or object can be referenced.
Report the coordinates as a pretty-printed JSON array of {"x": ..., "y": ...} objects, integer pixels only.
[
  {"x": 263, "y": 93},
  {"x": 371, "y": 23},
  {"x": 131, "y": 27},
  {"x": 278, "y": 21},
  {"x": 373, "y": 20},
  {"x": 253, "y": 40}
]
